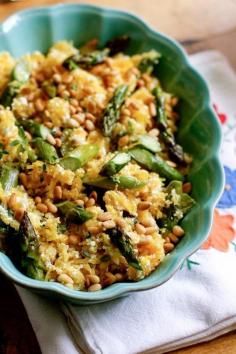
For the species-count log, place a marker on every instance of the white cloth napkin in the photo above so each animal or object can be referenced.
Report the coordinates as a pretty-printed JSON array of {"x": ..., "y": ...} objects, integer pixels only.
[{"x": 196, "y": 305}]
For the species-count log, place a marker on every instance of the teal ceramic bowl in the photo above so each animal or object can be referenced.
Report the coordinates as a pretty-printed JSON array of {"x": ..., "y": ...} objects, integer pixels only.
[{"x": 199, "y": 133}]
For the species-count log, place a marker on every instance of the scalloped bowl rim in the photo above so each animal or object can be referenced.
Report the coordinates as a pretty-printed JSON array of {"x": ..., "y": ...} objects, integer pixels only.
[{"x": 117, "y": 289}]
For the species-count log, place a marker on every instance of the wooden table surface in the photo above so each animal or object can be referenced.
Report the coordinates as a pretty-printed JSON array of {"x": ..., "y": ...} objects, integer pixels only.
[{"x": 199, "y": 25}]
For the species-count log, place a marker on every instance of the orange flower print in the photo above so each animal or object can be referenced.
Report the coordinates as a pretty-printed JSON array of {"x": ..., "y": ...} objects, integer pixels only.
[{"x": 222, "y": 232}]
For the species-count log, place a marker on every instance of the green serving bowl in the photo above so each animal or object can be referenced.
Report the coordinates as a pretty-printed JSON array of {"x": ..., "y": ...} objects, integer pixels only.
[{"x": 199, "y": 132}]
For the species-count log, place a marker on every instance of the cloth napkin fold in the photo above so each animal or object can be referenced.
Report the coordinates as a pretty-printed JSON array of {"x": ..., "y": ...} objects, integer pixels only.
[{"x": 196, "y": 305}]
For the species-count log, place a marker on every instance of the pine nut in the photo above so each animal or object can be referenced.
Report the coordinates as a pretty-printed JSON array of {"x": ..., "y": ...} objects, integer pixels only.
[
  {"x": 154, "y": 132},
  {"x": 12, "y": 201},
  {"x": 42, "y": 207},
  {"x": 119, "y": 276},
  {"x": 28, "y": 135},
  {"x": 79, "y": 202},
  {"x": 173, "y": 238},
  {"x": 178, "y": 231},
  {"x": 39, "y": 105},
  {"x": 93, "y": 195},
  {"x": 48, "y": 124},
  {"x": 58, "y": 192},
  {"x": 124, "y": 140},
  {"x": 126, "y": 112},
  {"x": 109, "y": 224},
  {"x": 57, "y": 78},
  {"x": 80, "y": 118},
  {"x": 94, "y": 279},
  {"x": 58, "y": 142},
  {"x": 110, "y": 277},
  {"x": 52, "y": 208},
  {"x": 90, "y": 202},
  {"x": 187, "y": 187},
  {"x": 140, "y": 229},
  {"x": 148, "y": 222},
  {"x": 72, "y": 109},
  {"x": 93, "y": 229},
  {"x": 65, "y": 279},
  {"x": 144, "y": 205},
  {"x": 38, "y": 200},
  {"x": 120, "y": 222},
  {"x": 67, "y": 79},
  {"x": 90, "y": 117},
  {"x": 74, "y": 102},
  {"x": 150, "y": 230},
  {"x": 51, "y": 139},
  {"x": 95, "y": 287},
  {"x": 168, "y": 247},
  {"x": 89, "y": 125},
  {"x": 19, "y": 213},
  {"x": 72, "y": 123},
  {"x": 140, "y": 83},
  {"x": 104, "y": 216},
  {"x": 23, "y": 178},
  {"x": 73, "y": 239},
  {"x": 152, "y": 109}
]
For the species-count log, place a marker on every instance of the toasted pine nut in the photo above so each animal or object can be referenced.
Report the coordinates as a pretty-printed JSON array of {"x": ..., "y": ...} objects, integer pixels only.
[
  {"x": 23, "y": 178},
  {"x": 148, "y": 222},
  {"x": 64, "y": 278},
  {"x": 94, "y": 195},
  {"x": 51, "y": 139},
  {"x": 42, "y": 207},
  {"x": 93, "y": 229},
  {"x": 19, "y": 214},
  {"x": 58, "y": 192},
  {"x": 140, "y": 83},
  {"x": 65, "y": 94},
  {"x": 74, "y": 102},
  {"x": 150, "y": 230},
  {"x": 111, "y": 277},
  {"x": 89, "y": 125},
  {"x": 173, "y": 238},
  {"x": 72, "y": 109},
  {"x": 126, "y": 112},
  {"x": 119, "y": 276},
  {"x": 79, "y": 117},
  {"x": 144, "y": 205},
  {"x": 73, "y": 239},
  {"x": 57, "y": 78},
  {"x": 79, "y": 202},
  {"x": 187, "y": 158},
  {"x": 39, "y": 104},
  {"x": 90, "y": 202},
  {"x": 168, "y": 247},
  {"x": 73, "y": 123},
  {"x": 12, "y": 201},
  {"x": 109, "y": 224},
  {"x": 187, "y": 187},
  {"x": 95, "y": 287},
  {"x": 154, "y": 132},
  {"x": 104, "y": 216},
  {"x": 140, "y": 229},
  {"x": 94, "y": 279},
  {"x": 52, "y": 208},
  {"x": 90, "y": 117},
  {"x": 152, "y": 109},
  {"x": 120, "y": 222},
  {"x": 124, "y": 140},
  {"x": 67, "y": 79},
  {"x": 38, "y": 200},
  {"x": 178, "y": 231},
  {"x": 58, "y": 142},
  {"x": 48, "y": 124}
]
